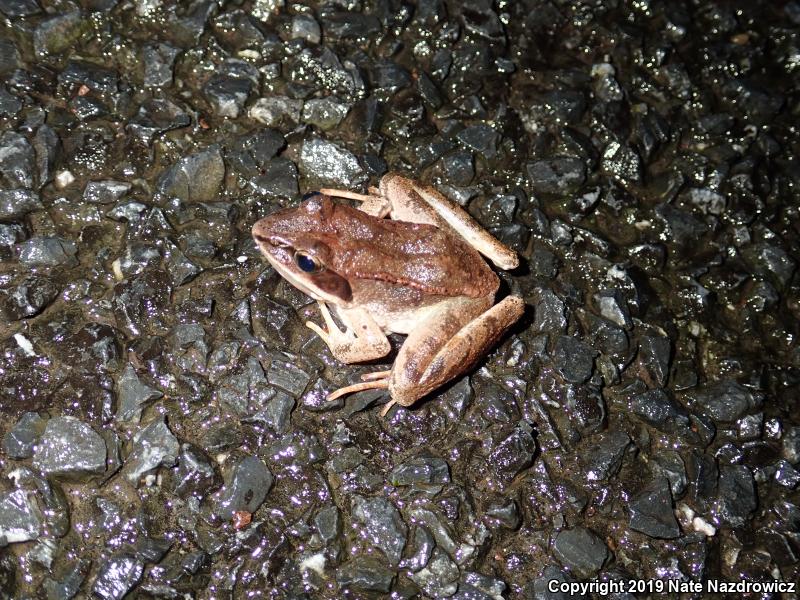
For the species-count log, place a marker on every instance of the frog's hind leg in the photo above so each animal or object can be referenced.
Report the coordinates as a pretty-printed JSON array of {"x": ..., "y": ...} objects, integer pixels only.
[
  {"x": 373, "y": 203},
  {"x": 447, "y": 347}
]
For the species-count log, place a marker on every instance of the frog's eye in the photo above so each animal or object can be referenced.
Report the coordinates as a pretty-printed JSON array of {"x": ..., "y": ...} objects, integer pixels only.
[
  {"x": 307, "y": 263},
  {"x": 308, "y": 195}
]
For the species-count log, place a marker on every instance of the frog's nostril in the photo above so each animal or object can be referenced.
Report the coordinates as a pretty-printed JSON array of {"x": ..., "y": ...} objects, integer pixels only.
[{"x": 308, "y": 195}]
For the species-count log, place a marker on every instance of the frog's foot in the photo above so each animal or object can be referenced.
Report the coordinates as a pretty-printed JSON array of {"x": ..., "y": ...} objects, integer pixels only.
[
  {"x": 374, "y": 204},
  {"x": 361, "y": 340},
  {"x": 378, "y": 384},
  {"x": 378, "y": 380}
]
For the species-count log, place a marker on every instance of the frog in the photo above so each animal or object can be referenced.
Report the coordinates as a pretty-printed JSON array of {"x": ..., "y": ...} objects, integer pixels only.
[{"x": 406, "y": 260}]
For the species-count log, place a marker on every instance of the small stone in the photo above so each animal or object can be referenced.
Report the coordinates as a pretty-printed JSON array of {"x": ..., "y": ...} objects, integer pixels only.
[
  {"x": 581, "y": 550},
  {"x": 736, "y": 495},
  {"x": 158, "y": 60},
  {"x": 439, "y": 578},
  {"x": 659, "y": 409},
  {"x": 155, "y": 117},
  {"x": 365, "y": 573},
  {"x": 196, "y": 178},
  {"x": 654, "y": 356},
  {"x": 70, "y": 448},
  {"x": 305, "y": 27},
  {"x": 20, "y": 517},
  {"x": 559, "y": 176},
  {"x": 10, "y": 105},
  {"x": 19, "y": 441},
  {"x": 17, "y": 160},
  {"x": 30, "y": 297},
  {"x": 19, "y": 8},
  {"x": 48, "y": 252},
  {"x": 614, "y": 307},
  {"x": 15, "y": 204},
  {"x": 573, "y": 359},
  {"x": 652, "y": 511},
  {"x": 622, "y": 163},
  {"x": 383, "y": 527},
  {"x": 514, "y": 453},
  {"x": 483, "y": 139},
  {"x": 118, "y": 576},
  {"x": 154, "y": 446},
  {"x": 426, "y": 470},
  {"x": 227, "y": 95},
  {"x": 274, "y": 111},
  {"x": 724, "y": 400},
  {"x": 58, "y": 34},
  {"x": 327, "y": 523},
  {"x": 458, "y": 167},
  {"x": 326, "y": 163},
  {"x": 325, "y": 113},
  {"x": 278, "y": 179},
  {"x": 603, "y": 457},
  {"x": 105, "y": 192},
  {"x": 350, "y": 25},
  {"x": 132, "y": 395},
  {"x": 246, "y": 486}
]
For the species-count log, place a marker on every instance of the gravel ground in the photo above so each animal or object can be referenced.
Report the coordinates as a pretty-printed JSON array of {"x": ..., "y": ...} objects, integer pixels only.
[{"x": 163, "y": 422}]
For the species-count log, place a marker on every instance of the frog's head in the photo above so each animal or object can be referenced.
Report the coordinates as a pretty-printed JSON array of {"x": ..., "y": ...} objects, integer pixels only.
[{"x": 293, "y": 241}]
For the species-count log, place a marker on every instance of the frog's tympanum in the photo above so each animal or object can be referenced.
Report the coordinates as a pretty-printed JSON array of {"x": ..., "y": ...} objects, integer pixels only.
[{"x": 418, "y": 272}]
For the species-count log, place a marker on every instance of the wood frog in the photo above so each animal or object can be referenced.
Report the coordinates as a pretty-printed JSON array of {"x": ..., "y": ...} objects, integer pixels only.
[{"x": 418, "y": 272}]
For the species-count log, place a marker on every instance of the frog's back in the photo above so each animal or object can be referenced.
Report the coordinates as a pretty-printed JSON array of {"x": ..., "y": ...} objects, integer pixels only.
[{"x": 417, "y": 256}]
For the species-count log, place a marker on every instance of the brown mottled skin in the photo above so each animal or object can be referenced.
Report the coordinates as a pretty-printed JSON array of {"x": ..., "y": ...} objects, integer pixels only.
[{"x": 418, "y": 272}]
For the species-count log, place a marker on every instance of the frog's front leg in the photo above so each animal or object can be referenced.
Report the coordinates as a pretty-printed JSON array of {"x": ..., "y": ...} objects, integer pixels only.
[{"x": 362, "y": 339}]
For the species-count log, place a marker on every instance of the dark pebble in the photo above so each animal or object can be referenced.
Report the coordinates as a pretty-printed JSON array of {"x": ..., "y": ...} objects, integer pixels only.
[
  {"x": 20, "y": 517},
  {"x": 581, "y": 550},
  {"x": 365, "y": 573},
  {"x": 30, "y": 297},
  {"x": 132, "y": 395},
  {"x": 573, "y": 359},
  {"x": 19, "y": 8},
  {"x": 17, "y": 161},
  {"x": 153, "y": 446},
  {"x": 48, "y": 252},
  {"x": 651, "y": 511},
  {"x": 724, "y": 400},
  {"x": 246, "y": 485},
  {"x": 105, "y": 192},
  {"x": 196, "y": 178},
  {"x": 736, "y": 495},
  {"x": 278, "y": 179},
  {"x": 382, "y": 526},
  {"x": 20, "y": 440},
  {"x": 70, "y": 448},
  {"x": 660, "y": 410},
  {"x": 513, "y": 453},
  {"x": 426, "y": 470},
  {"x": 483, "y": 139},
  {"x": 603, "y": 458},
  {"x": 117, "y": 576},
  {"x": 195, "y": 474},
  {"x": 15, "y": 204},
  {"x": 560, "y": 175},
  {"x": 329, "y": 164}
]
